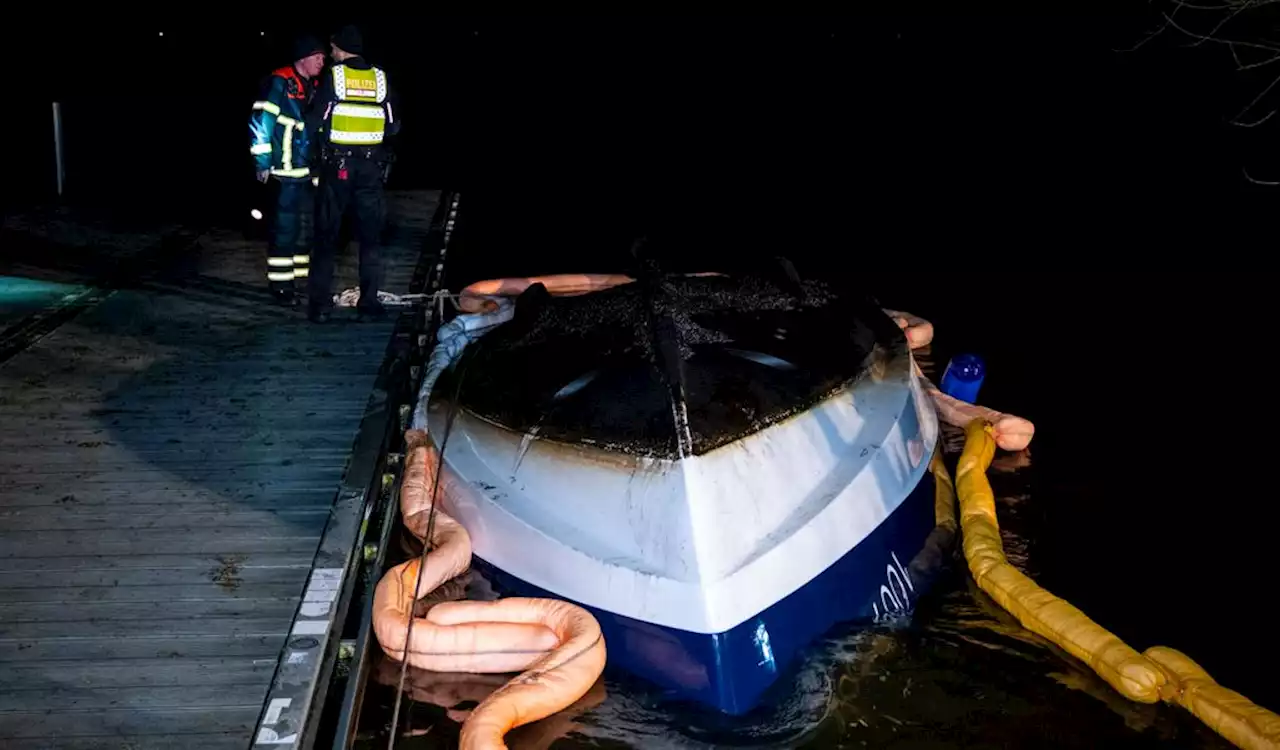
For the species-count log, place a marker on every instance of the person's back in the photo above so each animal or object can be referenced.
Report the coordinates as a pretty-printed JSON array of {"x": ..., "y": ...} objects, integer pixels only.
[{"x": 354, "y": 115}]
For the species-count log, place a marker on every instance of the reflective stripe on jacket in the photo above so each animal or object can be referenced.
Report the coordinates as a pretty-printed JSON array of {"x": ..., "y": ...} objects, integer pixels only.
[{"x": 278, "y": 137}]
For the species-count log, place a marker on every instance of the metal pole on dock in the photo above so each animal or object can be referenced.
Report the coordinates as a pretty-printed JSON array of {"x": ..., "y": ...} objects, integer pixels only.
[{"x": 57, "y": 145}]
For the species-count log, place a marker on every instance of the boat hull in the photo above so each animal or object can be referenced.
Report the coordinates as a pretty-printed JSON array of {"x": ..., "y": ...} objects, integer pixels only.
[
  {"x": 731, "y": 671},
  {"x": 791, "y": 504}
]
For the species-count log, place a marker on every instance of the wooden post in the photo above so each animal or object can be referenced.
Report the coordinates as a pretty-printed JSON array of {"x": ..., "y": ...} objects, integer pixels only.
[{"x": 57, "y": 146}]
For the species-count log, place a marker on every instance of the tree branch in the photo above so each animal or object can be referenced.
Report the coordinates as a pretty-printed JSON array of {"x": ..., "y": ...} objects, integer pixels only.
[
  {"x": 1250, "y": 178},
  {"x": 1218, "y": 40},
  {"x": 1236, "y": 120}
]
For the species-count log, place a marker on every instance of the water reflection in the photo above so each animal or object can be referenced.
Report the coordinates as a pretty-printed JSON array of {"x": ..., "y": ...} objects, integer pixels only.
[{"x": 439, "y": 702}]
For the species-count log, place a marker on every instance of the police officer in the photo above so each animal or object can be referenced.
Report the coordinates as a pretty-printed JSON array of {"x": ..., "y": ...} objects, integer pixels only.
[
  {"x": 280, "y": 144},
  {"x": 354, "y": 112}
]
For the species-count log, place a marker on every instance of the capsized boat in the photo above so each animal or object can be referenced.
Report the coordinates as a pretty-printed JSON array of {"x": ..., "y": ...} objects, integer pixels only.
[{"x": 721, "y": 469}]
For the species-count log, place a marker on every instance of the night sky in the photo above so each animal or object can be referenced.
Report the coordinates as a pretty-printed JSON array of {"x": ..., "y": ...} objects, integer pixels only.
[{"x": 1012, "y": 130}]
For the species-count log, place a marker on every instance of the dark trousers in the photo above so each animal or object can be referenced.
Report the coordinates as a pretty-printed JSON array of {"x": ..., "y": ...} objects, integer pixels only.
[
  {"x": 348, "y": 183},
  {"x": 288, "y": 252}
]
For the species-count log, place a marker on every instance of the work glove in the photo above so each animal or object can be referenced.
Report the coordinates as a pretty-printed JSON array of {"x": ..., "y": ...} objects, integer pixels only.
[{"x": 263, "y": 175}]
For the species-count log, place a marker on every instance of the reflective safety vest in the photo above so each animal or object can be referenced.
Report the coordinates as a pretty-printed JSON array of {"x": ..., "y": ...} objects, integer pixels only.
[{"x": 358, "y": 117}]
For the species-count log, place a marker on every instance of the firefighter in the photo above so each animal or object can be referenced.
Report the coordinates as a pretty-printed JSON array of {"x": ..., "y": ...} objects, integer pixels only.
[
  {"x": 354, "y": 115},
  {"x": 281, "y": 147}
]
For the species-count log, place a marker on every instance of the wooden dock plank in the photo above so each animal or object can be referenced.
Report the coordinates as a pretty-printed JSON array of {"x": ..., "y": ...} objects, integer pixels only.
[
  {"x": 285, "y": 585},
  {"x": 89, "y": 448},
  {"x": 168, "y": 493},
  {"x": 175, "y": 625},
  {"x": 215, "y": 741},
  {"x": 71, "y": 518},
  {"x": 57, "y": 564},
  {"x": 146, "y": 697},
  {"x": 65, "y": 612},
  {"x": 122, "y": 673},
  {"x": 169, "y": 463},
  {"x": 161, "y": 721},
  {"x": 304, "y": 471},
  {"x": 49, "y": 651},
  {"x": 163, "y": 541}
]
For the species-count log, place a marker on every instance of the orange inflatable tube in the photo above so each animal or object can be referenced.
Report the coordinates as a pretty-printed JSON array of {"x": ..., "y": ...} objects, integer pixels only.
[
  {"x": 1011, "y": 433},
  {"x": 450, "y": 690},
  {"x": 557, "y": 646},
  {"x": 472, "y": 299},
  {"x": 919, "y": 331}
]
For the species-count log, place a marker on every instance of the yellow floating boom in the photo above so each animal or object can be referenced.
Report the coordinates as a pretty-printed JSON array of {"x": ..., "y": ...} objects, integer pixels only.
[{"x": 1160, "y": 673}]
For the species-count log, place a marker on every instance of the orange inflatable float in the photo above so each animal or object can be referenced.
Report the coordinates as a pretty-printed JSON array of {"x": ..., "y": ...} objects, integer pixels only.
[
  {"x": 452, "y": 691},
  {"x": 1011, "y": 433},
  {"x": 919, "y": 332},
  {"x": 556, "y": 646},
  {"x": 472, "y": 299}
]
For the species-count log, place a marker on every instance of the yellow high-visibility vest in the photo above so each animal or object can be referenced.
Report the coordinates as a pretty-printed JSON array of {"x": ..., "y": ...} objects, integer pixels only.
[{"x": 358, "y": 117}]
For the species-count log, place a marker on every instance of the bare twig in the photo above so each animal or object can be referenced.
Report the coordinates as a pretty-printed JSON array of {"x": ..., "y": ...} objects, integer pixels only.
[
  {"x": 1148, "y": 37},
  {"x": 1250, "y": 178},
  {"x": 1250, "y": 66},
  {"x": 1227, "y": 4},
  {"x": 1253, "y": 124},
  {"x": 1241, "y": 65},
  {"x": 1230, "y": 10},
  {"x": 1230, "y": 17},
  {"x": 1236, "y": 120},
  {"x": 1218, "y": 40},
  {"x": 1193, "y": 6}
]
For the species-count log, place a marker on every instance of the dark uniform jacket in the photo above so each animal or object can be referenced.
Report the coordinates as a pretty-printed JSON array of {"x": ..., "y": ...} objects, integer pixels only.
[
  {"x": 322, "y": 107},
  {"x": 279, "y": 139}
]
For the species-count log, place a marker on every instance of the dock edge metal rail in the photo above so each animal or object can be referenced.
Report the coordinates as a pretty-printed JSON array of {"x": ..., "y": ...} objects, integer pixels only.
[{"x": 317, "y": 660}]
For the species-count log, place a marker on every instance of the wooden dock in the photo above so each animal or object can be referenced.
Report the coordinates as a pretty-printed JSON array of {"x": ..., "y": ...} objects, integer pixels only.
[{"x": 171, "y": 457}]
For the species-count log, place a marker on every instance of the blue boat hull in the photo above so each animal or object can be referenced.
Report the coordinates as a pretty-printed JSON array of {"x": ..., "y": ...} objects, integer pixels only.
[{"x": 731, "y": 671}]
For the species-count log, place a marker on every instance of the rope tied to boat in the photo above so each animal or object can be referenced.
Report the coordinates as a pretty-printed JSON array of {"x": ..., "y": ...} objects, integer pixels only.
[
  {"x": 438, "y": 299},
  {"x": 412, "y": 441},
  {"x": 1159, "y": 673},
  {"x": 527, "y": 697}
]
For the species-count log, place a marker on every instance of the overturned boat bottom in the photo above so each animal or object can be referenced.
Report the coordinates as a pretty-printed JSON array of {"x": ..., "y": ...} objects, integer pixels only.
[{"x": 731, "y": 671}]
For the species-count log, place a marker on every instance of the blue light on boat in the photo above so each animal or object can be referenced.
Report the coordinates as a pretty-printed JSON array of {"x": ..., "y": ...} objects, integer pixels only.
[{"x": 963, "y": 377}]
